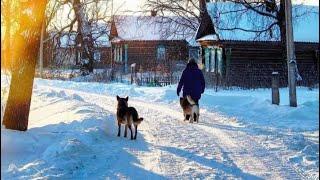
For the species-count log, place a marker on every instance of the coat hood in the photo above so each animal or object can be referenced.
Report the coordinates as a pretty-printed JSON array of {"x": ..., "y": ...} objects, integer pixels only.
[{"x": 192, "y": 65}]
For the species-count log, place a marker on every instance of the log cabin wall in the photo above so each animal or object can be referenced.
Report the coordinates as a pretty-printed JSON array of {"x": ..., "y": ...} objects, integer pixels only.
[
  {"x": 105, "y": 57},
  {"x": 252, "y": 63},
  {"x": 67, "y": 56},
  {"x": 144, "y": 53}
]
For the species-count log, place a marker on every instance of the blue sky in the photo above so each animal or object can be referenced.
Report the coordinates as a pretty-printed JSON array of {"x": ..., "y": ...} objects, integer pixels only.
[{"x": 134, "y": 5}]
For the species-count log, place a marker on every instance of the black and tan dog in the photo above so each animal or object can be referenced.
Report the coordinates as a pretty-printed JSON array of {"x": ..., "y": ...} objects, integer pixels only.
[
  {"x": 190, "y": 109},
  {"x": 127, "y": 116}
]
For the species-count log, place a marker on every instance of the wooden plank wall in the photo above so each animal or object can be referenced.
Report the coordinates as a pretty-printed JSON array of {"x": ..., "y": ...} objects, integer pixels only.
[
  {"x": 144, "y": 53},
  {"x": 252, "y": 63}
]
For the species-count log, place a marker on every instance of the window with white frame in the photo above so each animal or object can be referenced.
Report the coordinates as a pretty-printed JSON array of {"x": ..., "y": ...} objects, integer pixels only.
[
  {"x": 219, "y": 60},
  {"x": 194, "y": 53},
  {"x": 207, "y": 57},
  {"x": 213, "y": 59},
  {"x": 97, "y": 55},
  {"x": 161, "y": 52}
]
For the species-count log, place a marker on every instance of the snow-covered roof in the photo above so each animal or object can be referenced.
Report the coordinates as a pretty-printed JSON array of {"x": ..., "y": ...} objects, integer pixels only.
[
  {"x": 99, "y": 33},
  {"x": 211, "y": 37},
  {"x": 305, "y": 27},
  {"x": 150, "y": 28},
  {"x": 135, "y": 28}
]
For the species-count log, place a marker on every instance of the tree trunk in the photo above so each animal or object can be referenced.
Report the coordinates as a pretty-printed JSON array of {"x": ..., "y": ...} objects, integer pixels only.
[
  {"x": 43, "y": 29},
  {"x": 86, "y": 40},
  {"x": 7, "y": 36},
  {"x": 26, "y": 46}
]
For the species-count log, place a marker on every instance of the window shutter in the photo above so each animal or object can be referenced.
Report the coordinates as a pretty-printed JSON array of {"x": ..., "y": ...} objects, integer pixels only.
[
  {"x": 219, "y": 60},
  {"x": 207, "y": 59},
  {"x": 213, "y": 60}
]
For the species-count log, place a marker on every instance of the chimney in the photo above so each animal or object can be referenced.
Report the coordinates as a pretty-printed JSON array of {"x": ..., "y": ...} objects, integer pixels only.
[
  {"x": 113, "y": 31},
  {"x": 202, "y": 6},
  {"x": 153, "y": 13}
]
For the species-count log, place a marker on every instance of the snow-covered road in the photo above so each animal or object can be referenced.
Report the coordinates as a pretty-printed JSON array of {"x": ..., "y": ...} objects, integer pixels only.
[
  {"x": 72, "y": 134},
  {"x": 211, "y": 148}
]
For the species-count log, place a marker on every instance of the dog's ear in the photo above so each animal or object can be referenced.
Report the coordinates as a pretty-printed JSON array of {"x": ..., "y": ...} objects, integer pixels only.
[
  {"x": 118, "y": 97},
  {"x": 127, "y": 98}
]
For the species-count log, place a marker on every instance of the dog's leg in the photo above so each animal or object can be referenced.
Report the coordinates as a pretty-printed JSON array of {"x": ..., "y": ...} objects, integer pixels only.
[
  {"x": 195, "y": 117},
  {"x": 191, "y": 118},
  {"x": 125, "y": 130},
  {"x": 198, "y": 114},
  {"x": 131, "y": 132},
  {"x": 136, "y": 131},
  {"x": 187, "y": 117},
  {"x": 119, "y": 128},
  {"x": 198, "y": 118}
]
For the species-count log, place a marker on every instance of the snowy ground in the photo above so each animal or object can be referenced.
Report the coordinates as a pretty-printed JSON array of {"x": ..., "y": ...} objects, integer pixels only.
[{"x": 72, "y": 134}]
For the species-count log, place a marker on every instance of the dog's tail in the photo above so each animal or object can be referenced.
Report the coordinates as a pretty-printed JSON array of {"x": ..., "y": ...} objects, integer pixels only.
[
  {"x": 190, "y": 100},
  {"x": 137, "y": 121}
]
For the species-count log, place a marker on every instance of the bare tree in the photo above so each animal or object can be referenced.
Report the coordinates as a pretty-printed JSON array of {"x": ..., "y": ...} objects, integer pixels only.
[
  {"x": 51, "y": 11},
  {"x": 180, "y": 17},
  {"x": 85, "y": 37},
  {"x": 26, "y": 47},
  {"x": 86, "y": 19},
  {"x": 266, "y": 17}
]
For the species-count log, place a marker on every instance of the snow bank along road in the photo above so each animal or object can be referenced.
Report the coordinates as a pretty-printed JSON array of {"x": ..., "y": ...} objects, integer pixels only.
[{"x": 72, "y": 134}]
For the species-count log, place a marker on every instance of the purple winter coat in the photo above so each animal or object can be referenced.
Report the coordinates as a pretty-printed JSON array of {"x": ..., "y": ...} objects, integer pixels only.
[{"x": 192, "y": 81}]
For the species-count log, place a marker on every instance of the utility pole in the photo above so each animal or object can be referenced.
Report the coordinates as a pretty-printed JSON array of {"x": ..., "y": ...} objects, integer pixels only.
[{"x": 291, "y": 58}]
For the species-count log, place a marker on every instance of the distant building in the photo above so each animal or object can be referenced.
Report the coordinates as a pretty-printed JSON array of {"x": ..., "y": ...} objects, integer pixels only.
[
  {"x": 61, "y": 50},
  {"x": 127, "y": 40},
  {"x": 141, "y": 40},
  {"x": 236, "y": 58}
]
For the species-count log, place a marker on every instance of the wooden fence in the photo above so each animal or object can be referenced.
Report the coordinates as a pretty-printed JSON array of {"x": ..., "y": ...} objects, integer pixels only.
[{"x": 157, "y": 80}]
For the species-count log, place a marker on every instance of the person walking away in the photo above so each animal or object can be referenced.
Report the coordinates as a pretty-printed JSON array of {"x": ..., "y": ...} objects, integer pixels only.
[{"x": 192, "y": 82}]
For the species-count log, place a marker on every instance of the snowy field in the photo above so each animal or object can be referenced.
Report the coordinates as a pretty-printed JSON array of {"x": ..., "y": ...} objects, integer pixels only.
[{"x": 240, "y": 135}]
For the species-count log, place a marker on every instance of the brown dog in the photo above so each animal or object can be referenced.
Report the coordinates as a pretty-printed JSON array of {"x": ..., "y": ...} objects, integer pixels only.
[
  {"x": 127, "y": 116},
  {"x": 190, "y": 109}
]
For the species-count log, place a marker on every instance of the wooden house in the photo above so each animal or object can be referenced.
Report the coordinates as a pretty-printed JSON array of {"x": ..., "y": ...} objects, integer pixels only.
[
  {"x": 237, "y": 58},
  {"x": 141, "y": 40},
  {"x": 61, "y": 50},
  {"x": 127, "y": 40}
]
